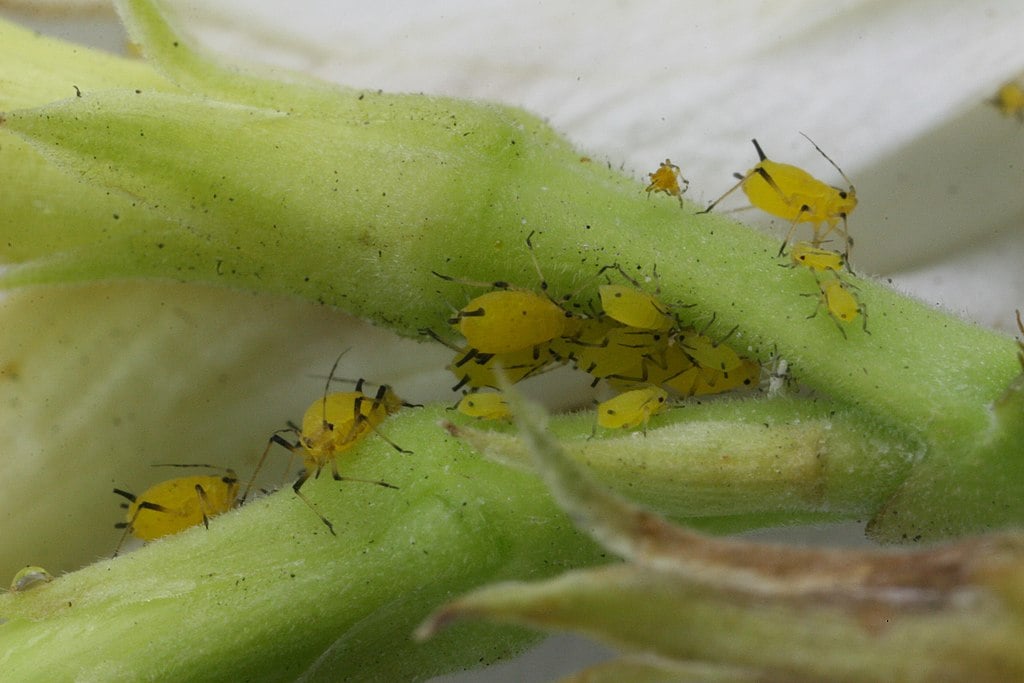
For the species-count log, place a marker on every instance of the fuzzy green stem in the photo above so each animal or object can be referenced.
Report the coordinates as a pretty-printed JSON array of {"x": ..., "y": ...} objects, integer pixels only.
[
  {"x": 268, "y": 594},
  {"x": 354, "y": 198},
  {"x": 733, "y": 464}
]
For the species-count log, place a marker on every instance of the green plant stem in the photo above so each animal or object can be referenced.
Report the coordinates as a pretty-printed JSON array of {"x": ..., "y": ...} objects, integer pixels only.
[
  {"x": 354, "y": 198},
  {"x": 457, "y": 521},
  {"x": 734, "y": 464},
  {"x": 268, "y": 594}
]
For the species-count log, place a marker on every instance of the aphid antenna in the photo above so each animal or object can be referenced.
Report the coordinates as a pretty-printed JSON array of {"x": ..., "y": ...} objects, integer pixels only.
[
  {"x": 327, "y": 384},
  {"x": 359, "y": 383},
  {"x": 536, "y": 264},
  {"x": 498, "y": 284},
  {"x": 827, "y": 157},
  {"x": 427, "y": 332},
  {"x": 175, "y": 464}
]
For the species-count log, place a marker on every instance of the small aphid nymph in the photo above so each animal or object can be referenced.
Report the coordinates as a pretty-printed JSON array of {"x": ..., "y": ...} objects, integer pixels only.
[
  {"x": 485, "y": 406},
  {"x": 818, "y": 260},
  {"x": 632, "y": 409},
  {"x": 667, "y": 179},
  {"x": 1009, "y": 100},
  {"x": 841, "y": 303}
]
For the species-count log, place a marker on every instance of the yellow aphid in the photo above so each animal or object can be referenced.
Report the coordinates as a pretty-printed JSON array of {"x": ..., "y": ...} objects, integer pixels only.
[
  {"x": 841, "y": 303},
  {"x": 793, "y": 194},
  {"x": 510, "y": 320},
  {"x": 607, "y": 349},
  {"x": 666, "y": 179},
  {"x": 331, "y": 426},
  {"x": 819, "y": 260},
  {"x": 177, "y": 504},
  {"x": 664, "y": 367},
  {"x": 1009, "y": 100},
  {"x": 708, "y": 353},
  {"x": 632, "y": 408},
  {"x": 636, "y": 308},
  {"x": 683, "y": 381},
  {"x": 478, "y": 370},
  {"x": 484, "y": 406},
  {"x": 746, "y": 375},
  {"x": 30, "y": 577}
]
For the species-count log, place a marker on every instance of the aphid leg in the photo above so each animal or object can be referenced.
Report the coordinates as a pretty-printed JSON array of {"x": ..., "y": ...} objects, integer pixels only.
[
  {"x": 359, "y": 417},
  {"x": 392, "y": 443},
  {"x": 848, "y": 244},
  {"x": 833, "y": 226},
  {"x": 728, "y": 192},
  {"x": 204, "y": 505},
  {"x": 279, "y": 440},
  {"x": 426, "y": 331},
  {"x": 339, "y": 477},
  {"x": 298, "y": 485},
  {"x": 536, "y": 264},
  {"x": 129, "y": 525},
  {"x": 461, "y": 383},
  {"x": 821, "y": 300},
  {"x": 1020, "y": 344},
  {"x": 792, "y": 227}
]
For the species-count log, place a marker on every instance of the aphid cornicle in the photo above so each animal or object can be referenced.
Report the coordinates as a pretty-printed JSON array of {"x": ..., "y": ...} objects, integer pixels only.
[
  {"x": 332, "y": 425},
  {"x": 793, "y": 194},
  {"x": 177, "y": 504},
  {"x": 667, "y": 179},
  {"x": 632, "y": 409}
]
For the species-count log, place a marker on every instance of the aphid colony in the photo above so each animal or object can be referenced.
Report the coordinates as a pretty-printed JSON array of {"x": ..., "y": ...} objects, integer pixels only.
[
  {"x": 634, "y": 343},
  {"x": 332, "y": 425},
  {"x": 793, "y": 194}
]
